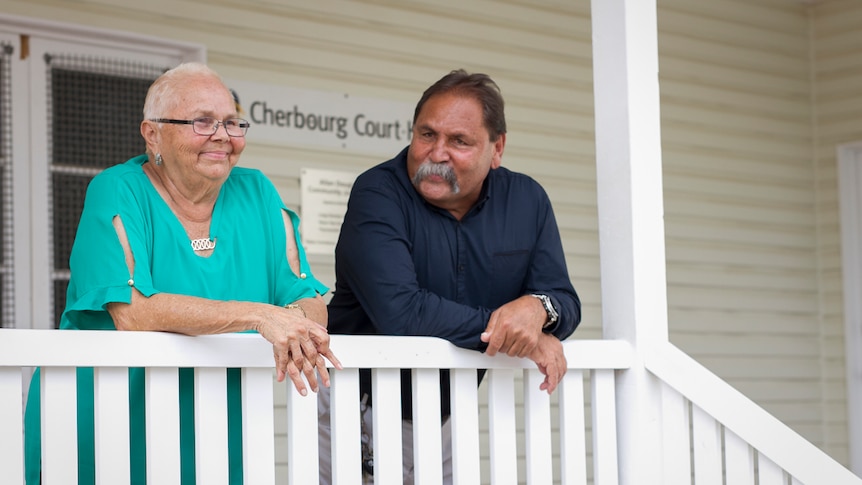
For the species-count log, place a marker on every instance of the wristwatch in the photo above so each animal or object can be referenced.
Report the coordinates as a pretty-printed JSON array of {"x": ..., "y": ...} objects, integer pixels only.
[{"x": 549, "y": 308}]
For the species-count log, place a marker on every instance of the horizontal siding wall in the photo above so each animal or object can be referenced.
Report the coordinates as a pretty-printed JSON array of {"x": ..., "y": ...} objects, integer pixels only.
[
  {"x": 751, "y": 221},
  {"x": 837, "y": 74},
  {"x": 741, "y": 213}
]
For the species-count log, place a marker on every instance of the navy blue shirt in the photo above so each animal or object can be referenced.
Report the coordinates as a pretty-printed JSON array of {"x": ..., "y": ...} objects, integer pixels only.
[{"x": 406, "y": 267}]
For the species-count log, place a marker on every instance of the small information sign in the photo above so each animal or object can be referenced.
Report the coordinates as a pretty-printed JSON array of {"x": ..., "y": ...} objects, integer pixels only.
[{"x": 324, "y": 203}]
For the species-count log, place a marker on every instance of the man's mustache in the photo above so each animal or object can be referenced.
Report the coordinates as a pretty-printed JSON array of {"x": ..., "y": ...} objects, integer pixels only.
[{"x": 446, "y": 172}]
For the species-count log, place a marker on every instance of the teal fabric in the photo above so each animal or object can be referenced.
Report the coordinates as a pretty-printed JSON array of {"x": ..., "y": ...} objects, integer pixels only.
[{"x": 248, "y": 264}]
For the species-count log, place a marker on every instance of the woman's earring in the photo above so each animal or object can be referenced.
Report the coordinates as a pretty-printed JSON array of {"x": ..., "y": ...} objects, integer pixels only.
[{"x": 158, "y": 158}]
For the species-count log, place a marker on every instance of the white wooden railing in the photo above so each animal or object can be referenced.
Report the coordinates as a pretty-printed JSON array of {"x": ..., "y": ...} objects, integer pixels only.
[
  {"x": 712, "y": 434},
  {"x": 711, "y": 428},
  {"x": 111, "y": 353}
]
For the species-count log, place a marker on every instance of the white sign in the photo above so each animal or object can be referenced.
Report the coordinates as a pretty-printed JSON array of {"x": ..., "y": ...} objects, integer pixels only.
[
  {"x": 290, "y": 116},
  {"x": 324, "y": 203}
]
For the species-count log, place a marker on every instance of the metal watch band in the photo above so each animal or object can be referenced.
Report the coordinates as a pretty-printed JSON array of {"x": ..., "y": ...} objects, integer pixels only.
[{"x": 549, "y": 308}]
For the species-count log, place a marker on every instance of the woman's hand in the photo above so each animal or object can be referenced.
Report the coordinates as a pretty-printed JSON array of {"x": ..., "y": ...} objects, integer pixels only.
[{"x": 299, "y": 346}]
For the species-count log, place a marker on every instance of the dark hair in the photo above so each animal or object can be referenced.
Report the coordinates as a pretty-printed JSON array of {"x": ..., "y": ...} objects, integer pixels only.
[{"x": 478, "y": 86}]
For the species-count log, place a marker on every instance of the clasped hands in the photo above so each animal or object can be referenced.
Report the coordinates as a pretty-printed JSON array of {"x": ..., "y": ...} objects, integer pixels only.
[{"x": 299, "y": 346}]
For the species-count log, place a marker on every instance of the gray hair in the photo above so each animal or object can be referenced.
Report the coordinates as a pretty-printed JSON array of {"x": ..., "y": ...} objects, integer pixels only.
[{"x": 160, "y": 98}]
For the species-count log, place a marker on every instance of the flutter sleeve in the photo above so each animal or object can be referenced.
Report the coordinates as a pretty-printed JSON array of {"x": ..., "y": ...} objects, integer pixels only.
[
  {"x": 289, "y": 286},
  {"x": 99, "y": 272},
  {"x": 304, "y": 267}
]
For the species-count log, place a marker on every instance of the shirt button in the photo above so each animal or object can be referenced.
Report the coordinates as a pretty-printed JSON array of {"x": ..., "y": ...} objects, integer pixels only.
[
  {"x": 131, "y": 282},
  {"x": 302, "y": 276}
]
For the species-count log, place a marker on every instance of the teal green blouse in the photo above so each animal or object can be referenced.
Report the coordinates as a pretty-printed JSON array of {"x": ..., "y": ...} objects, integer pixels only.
[{"x": 249, "y": 263}]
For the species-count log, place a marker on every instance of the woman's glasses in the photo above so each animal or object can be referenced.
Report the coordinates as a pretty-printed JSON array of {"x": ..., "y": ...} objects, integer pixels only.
[{"x": 208, "y": 125}]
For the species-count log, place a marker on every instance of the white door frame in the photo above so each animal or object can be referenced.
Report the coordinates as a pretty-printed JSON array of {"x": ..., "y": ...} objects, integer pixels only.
[{"x": 850, "y": 203}]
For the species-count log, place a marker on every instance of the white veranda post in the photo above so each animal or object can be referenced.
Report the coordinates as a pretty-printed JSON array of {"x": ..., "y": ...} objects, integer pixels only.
[{"x": 631, "y": 226}]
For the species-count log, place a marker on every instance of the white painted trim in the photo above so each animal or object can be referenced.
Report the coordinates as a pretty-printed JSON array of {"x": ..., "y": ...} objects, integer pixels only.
[
  {"x": 631, "y": 219},
  {"x": 22, "y": 237},
  {"x": 39, "y": 266},
  {"x": 850, "y": 203},
  {"x": 96, "y": 37}
]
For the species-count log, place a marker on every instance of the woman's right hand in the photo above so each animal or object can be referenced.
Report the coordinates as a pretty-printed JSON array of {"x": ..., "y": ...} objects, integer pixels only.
[{"x": 299, "y": 346}]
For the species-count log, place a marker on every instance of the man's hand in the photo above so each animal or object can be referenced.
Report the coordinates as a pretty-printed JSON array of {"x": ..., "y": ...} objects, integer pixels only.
[
  {"x": 515, "y": 327},
  {"x": 551, "y": 361}
]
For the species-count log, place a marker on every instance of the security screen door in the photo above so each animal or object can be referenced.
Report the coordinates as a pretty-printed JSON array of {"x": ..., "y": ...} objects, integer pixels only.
[{"x": 94, "y": 114}]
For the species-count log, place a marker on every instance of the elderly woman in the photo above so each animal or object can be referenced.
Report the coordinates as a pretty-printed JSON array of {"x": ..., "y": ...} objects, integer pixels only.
[{"x": 181, "y": 240}]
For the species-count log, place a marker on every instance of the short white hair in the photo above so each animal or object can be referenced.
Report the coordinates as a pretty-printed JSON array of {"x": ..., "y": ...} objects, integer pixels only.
[{"x": 160, "y": 97}]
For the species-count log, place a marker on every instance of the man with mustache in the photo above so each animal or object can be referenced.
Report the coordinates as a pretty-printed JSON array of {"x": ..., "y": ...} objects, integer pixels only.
[{"x": 442, "y": 241}]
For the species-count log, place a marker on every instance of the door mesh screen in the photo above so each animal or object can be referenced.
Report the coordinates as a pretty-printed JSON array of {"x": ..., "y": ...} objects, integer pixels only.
[
  {"x": 7, "y": 266},
  {"x": 94, "y": 114}
]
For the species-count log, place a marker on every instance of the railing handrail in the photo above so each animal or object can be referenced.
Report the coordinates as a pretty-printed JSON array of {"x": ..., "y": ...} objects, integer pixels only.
[
  {"x": 754, "y": 425},
  {"x": 106, "y": 348},
  {"x": 54, "y": 350},
  {"x": 110, "y": 352}
]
